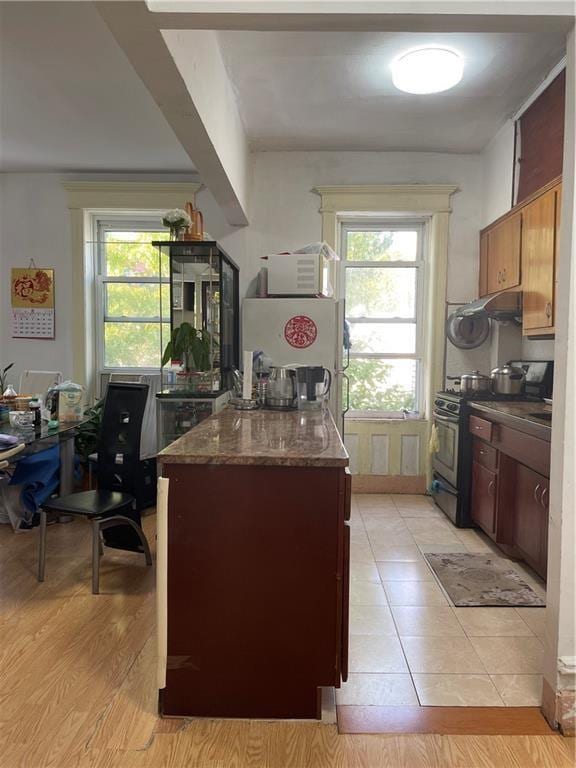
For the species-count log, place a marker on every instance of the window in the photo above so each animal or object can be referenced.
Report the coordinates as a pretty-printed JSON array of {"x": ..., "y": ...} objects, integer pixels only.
[
  {"x": 383, "y": 266},
  {"x": 133, "y": 294}
]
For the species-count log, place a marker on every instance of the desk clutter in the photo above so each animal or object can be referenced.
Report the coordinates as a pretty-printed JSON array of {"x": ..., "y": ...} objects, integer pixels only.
[{"x": 57, "y": 402}]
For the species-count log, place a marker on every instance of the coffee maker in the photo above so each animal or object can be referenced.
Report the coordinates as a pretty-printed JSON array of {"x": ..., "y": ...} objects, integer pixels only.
[{"x": 312, "y": 386}]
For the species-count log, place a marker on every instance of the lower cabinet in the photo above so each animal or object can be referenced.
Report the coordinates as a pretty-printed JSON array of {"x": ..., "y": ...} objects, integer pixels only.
[
  {"x": 256, "y": 589},
  {"x": 530, "y": 529},
  {"x": 509, "y": 500},
  {"x": 484, "y": 498}
]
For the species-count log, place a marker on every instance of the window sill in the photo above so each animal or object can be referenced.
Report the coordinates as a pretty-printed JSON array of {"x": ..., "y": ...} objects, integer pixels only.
[{"x": 380, "y": 419}]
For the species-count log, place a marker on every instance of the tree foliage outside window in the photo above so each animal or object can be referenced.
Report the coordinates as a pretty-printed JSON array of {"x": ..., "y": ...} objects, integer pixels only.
[
  {"x": 381, "y": 279},
  {"x": 131, "y": 291}
]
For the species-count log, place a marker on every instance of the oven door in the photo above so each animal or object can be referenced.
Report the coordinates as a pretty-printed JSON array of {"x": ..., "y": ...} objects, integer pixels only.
[{"x": 445, "y": 460}]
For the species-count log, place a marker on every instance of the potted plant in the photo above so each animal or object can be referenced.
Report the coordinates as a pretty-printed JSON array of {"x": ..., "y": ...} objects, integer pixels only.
[
  {"x": 3, "y": 378},
  {"x": 4, "y": 409},
  {"x": 192, "y": 348},
  {"x": 176, "y": 220},
  {"x": 86, "y": 439}
]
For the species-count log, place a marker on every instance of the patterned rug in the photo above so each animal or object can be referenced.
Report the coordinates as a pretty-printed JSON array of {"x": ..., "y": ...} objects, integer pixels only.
[{"x": 476, "y": 579}]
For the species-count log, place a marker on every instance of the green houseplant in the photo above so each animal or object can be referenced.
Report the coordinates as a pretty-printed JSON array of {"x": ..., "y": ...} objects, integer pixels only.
[
  {"x": 191, "y": 347},
  {"x": 4, "y": 410},
  {"x": 3, "y": 378},
  {"x": 86, "y": 440}
]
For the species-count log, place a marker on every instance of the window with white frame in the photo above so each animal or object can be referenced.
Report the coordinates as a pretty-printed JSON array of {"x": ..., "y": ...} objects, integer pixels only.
[
  {"x": 383, "y": 285},
  {"x": 132, "y": 293}
]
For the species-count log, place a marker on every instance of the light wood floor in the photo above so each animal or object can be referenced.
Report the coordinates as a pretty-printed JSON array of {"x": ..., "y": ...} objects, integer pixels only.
[{"x": 78, "y": 685}]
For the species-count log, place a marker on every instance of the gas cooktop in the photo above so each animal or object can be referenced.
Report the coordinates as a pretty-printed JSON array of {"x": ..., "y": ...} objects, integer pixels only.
[{"x": 455, "y": 395}]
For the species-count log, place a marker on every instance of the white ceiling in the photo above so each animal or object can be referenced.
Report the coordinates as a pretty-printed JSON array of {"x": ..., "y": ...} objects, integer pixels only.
[
  {"x": 70, "y": 100},
  {"x": 333, "y": 90}
]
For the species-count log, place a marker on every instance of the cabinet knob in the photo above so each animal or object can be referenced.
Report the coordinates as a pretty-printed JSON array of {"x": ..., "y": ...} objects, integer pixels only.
[
  {"x": 491, "y": 488},
  {"x": 543, "y": 497},
  {"x": 548, "y": 309}
]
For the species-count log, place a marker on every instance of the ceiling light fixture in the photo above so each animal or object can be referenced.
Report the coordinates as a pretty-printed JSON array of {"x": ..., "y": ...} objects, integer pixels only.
[{"x": 427, "y": 70}]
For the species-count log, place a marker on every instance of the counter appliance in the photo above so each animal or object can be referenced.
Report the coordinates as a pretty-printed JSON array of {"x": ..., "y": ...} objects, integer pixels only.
[{"x": 312, "y": 386}]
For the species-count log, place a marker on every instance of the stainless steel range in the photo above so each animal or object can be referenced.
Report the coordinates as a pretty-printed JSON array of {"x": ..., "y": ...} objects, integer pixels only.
[{"x": 452, "y": 459}]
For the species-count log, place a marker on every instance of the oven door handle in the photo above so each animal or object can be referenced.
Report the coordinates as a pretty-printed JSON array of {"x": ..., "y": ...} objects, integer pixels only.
[{"x": 450, "y": 419}]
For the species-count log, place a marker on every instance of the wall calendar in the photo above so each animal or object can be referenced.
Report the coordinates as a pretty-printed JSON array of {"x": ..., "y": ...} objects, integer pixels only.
[{"x": 33, "y": 313}]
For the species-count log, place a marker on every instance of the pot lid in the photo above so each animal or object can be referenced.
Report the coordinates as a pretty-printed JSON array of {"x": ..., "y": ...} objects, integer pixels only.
[
  {"x": 506, "y": 370},
  {"x": 474, "y": 376}
]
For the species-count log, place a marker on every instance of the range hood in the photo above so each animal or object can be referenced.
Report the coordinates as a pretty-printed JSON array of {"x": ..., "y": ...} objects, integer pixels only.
[{"x": 505, "y": 305}]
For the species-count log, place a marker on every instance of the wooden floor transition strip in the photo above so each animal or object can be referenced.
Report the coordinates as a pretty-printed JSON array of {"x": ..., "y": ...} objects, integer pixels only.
[{"x": 464, "y": 721}]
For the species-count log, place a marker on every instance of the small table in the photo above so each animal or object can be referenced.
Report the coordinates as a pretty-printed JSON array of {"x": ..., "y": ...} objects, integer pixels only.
[{"x": 38, "y": 439}]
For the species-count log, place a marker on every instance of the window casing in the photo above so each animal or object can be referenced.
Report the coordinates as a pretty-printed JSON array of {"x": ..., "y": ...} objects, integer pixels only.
[
  {"x": 383, "y": 285},
  {"x": 132, "y": 293}
]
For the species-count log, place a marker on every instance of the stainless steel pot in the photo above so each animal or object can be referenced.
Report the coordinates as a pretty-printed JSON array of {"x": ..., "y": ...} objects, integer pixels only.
[
  {"x": 281, "y": 390},
  {"x": 508, "y": 380},
  {"x": 474, "y": 382}
]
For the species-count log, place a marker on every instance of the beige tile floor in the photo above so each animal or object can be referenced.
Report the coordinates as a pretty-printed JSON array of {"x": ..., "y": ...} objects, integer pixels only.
[{"x": 408, "y": 643}]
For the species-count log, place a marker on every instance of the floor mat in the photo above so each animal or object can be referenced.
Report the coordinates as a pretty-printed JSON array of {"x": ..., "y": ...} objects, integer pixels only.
[{"x": 479, "y": 579}]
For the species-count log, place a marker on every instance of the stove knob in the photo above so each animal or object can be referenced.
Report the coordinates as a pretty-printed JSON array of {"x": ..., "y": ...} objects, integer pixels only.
[{"x": 452, "y": 407}]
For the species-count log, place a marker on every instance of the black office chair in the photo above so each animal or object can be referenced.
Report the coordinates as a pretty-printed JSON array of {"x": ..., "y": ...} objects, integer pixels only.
[{"x": 111, "y": 508}]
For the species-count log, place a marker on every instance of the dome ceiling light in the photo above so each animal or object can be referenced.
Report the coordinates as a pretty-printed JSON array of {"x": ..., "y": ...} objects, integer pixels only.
[{"x": 427, "y": 70}]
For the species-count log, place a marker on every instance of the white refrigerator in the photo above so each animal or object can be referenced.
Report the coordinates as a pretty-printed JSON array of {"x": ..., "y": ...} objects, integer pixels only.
[{"x": 300, "y": 332}]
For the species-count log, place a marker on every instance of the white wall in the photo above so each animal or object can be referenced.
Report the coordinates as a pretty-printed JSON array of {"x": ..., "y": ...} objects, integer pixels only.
[
  {"x": 223, "y": 141},
  {"x": 285, "y": 210},
  {"x": 560, "y": 659},
  {"x": 34, "y": 223},
  {"x": 497, "y": 168}
]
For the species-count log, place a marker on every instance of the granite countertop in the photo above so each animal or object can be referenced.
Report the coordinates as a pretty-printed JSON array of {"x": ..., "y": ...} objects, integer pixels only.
[
  {"x": 524, "y": 415},
  {"x": 290, "y": 438}
]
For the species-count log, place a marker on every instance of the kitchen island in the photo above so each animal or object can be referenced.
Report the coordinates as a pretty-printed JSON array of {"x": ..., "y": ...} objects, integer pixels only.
[{"x": 253, "y": 566}]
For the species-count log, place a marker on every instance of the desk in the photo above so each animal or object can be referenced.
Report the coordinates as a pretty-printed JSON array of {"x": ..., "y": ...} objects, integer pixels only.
[{"x": 39, "y": 439}]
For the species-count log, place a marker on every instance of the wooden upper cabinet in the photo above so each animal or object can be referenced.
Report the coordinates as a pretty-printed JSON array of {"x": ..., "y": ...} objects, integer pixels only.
[
  {"x": 483, "y": 273},
  {"x": 539, "y": 227},
  {"x": 503, "y": 247}
]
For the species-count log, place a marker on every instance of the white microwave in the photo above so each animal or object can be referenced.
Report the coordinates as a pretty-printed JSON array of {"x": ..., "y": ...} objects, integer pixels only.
[{"x": 300, "y": 274}]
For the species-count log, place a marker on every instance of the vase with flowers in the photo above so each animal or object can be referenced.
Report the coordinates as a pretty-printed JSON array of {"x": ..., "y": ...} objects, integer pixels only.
[{"x": 176, "y": 220}]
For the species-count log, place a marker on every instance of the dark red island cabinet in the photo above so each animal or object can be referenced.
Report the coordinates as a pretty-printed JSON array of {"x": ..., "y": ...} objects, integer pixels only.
[{"x": 256, "y": 567}]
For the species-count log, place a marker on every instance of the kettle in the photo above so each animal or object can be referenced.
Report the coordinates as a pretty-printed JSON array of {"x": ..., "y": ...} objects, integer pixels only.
[{"x": 281, "y": 389}]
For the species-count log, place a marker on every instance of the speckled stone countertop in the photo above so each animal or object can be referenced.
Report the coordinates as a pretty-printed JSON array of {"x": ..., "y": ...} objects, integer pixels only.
[
  {"x": 524, "y": 416},
  {"x": 290, "y": 438}
]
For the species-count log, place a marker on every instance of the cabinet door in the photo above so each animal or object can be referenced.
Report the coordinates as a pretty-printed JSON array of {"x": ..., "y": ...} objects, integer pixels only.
[
  {"x": 538, "y": 252},
  {"x": 483, "y": 272},
  {"x": 504, "y": 246},
  {"x": 531, "y": 517},
  {"x": 345, "y": 604},
  {"x": 484, "y": 498}
]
